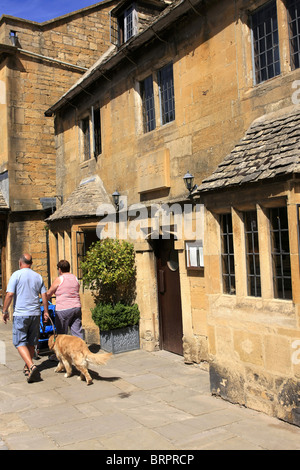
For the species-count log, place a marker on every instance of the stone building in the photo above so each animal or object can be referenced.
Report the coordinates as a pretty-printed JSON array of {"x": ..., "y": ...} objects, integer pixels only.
[
  {"x": 210, "y": 88},
  {"x": 252, "y": 202},
  {"x": 39, "y": 62}
]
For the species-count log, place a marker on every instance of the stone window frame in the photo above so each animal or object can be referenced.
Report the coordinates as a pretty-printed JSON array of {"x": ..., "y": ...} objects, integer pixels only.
[
  {"x": 97, "y": 140},
  {"x": 286, "y": 65},
  {"x": 65, "y": 240},
  {"x": 293, "y": 24},
  {"x": 60, "y": 246},
  {"x": 85, "y": 138},
  {"x": 166, "y": 94},
  {"x": 265, "y": 44},
  {"x": 124, "y": 25},
  {"x": 129, "y": 22},
  {"x": 157, "y": 99},
  {"x": 227, "y": 255},
  {"x": 252, "y": 254},
  {"x": 148, "y": 103},
  {"x": 264, "y": 239},
  {"x": 94, "y": 150},
  {"x": 282, "y": 277},
  {"x": 85, "y": 236}
]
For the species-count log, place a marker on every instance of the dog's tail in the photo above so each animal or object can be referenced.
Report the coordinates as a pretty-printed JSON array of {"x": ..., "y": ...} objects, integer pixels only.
[{"x": 99, "y": 359}]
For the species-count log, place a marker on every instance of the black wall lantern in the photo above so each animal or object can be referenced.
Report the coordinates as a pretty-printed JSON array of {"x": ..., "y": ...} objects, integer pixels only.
[
  {"x": 188, "y": 180},
  {"x": 116, "y": 198}
]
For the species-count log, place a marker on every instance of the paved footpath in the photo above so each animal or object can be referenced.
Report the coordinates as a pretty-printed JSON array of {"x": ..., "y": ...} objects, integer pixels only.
[{"x": 139, "y": 401}]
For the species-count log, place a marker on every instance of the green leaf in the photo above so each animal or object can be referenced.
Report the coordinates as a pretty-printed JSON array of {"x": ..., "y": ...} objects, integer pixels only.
[{"x": 109, "y": 271}]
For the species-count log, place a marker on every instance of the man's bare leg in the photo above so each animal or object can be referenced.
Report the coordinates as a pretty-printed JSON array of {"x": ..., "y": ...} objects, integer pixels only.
[{"x": 26, "y": 353}]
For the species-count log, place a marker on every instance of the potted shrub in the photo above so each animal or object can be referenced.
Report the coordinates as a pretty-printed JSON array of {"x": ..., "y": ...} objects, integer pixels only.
[
  {"x": 109, "y": 271},
  {"x": 119, "y": 326}
]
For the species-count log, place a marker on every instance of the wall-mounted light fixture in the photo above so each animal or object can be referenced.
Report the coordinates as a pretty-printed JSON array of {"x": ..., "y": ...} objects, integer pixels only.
[
  {"x": 116, "y": 198},
  {"x": 13, "y": 37},
  {"x": 60, "y": 198},
  {"x": 188, "y": 180}
]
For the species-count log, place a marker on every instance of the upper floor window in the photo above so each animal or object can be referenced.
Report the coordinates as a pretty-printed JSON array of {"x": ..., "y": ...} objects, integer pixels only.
[
  {"x": 166, "y": 93},
  {"x": 91, "y": 142},
  {"x": 157, "y": 91},
  {"x": 265, "y": 42},
  {"x": 128, "y": 23},
  {"x": 85, "y": 127},
  {"x": 123, "y": 25},
  {"x": 96, "y": 121},
  {"x": 293, "y": 10},
  {"x": 147, "y": 94}
]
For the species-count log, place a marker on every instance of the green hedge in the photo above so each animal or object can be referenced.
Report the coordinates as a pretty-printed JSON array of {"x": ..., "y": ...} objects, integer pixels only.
[{"x": 110, "y": 317}]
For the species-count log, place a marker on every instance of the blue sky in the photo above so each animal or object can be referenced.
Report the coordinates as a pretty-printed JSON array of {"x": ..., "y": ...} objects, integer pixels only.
[{"x": 41, "y": 10}]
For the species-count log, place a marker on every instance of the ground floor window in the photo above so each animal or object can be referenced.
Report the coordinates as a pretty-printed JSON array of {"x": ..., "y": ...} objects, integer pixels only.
[
  {"x": 280, "y": 251},
  {"x": 228, "y": 270},
  {"x": 241, "y": 253},
  {"x": 252, "y": 254},
  {"x": 84, "y": 240}
]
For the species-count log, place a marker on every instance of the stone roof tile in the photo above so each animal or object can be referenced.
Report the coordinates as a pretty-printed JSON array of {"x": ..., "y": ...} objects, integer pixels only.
[
  {"x": 83, "y": 201},
  {"x": 270, "y": 148}
]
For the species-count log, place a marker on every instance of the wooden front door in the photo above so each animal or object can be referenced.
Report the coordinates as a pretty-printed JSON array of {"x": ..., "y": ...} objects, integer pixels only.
[{"x": 169, "y": 297}]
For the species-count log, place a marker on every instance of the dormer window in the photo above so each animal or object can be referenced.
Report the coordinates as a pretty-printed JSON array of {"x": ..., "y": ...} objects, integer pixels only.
[{"x": 124, "y": 25}]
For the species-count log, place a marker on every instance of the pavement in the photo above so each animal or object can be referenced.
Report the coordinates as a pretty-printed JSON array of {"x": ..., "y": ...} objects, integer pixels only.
[{"x": 139, "y": 401}]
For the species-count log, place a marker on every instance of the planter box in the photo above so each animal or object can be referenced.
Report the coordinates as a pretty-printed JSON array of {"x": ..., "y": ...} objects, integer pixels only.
[{"x": 120, "y": 339}]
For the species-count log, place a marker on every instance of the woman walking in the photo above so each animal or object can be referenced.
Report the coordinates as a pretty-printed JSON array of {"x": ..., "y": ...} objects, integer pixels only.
[{"x": 68, "y": 306}]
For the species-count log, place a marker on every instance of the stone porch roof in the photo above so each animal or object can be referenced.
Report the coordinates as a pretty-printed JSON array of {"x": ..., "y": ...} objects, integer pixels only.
[
  {"x": 269, "y": 149},
  {"x": 83, "y": 201},
  {"x": 3, "y": 204}
]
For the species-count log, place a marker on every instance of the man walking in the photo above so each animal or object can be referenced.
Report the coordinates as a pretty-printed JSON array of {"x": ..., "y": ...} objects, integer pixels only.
[{"x": 24, "y": 287}]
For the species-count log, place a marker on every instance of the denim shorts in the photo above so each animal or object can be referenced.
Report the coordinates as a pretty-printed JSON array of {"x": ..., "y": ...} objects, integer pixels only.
[{"x": 26, "y": 330}]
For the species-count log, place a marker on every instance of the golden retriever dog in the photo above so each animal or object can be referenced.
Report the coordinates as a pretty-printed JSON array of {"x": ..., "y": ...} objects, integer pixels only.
[{"x": 72, "y": 350}]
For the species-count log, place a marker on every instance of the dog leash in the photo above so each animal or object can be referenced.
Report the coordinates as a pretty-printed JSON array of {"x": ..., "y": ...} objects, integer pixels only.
[{"x": 55, "y": 335}]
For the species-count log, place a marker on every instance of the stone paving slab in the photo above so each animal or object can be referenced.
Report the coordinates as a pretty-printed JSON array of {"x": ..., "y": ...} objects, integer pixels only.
[{"x": 139, "y": 401}]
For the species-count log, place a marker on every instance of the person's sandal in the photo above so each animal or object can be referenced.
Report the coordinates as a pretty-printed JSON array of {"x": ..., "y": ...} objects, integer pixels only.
[
  {"x": 26, "y": 371},
  {"x": 34, "y": 374}
]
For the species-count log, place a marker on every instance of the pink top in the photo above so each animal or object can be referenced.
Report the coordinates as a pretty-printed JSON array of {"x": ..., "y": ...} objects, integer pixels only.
[{"x": 67, "y": 293}]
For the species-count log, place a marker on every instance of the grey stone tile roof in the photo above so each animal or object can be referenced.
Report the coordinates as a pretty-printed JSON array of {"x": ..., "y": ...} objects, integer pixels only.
[
  {"x": 270, "y": 149},
  {"x": 3, "y": 204},
  {"x": 83, "y": 201}
]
